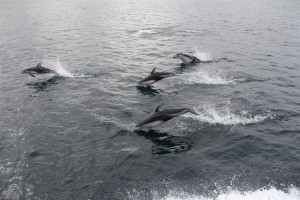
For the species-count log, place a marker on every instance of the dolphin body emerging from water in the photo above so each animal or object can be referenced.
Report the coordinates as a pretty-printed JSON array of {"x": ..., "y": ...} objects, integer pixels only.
[
  {"x": 38, "y": 69},
  {"x": 160, "y": 116},
  {"x": 154, "y": 77},
  {"x": 187, "y": 59}
]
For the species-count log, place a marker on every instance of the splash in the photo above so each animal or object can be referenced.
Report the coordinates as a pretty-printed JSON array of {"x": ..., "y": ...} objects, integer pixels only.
[
  {"x": 145, "y": 32},
  {"x": 57, "y": 66},
  {"x": 264, "y": 193},
  {"x": 207, "y": 77},
  {"x": 224, "y": 116},
  {"x": 203, "y": 56}
]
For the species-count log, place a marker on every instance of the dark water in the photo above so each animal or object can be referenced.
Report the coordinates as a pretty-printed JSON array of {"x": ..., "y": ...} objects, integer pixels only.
[{"x": 72, "y": 137}]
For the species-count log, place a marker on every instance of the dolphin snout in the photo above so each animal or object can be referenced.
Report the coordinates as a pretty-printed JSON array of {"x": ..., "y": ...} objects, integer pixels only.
[
  {"x": 141, "y": 83},
  {"x": 137, "y": 127}
]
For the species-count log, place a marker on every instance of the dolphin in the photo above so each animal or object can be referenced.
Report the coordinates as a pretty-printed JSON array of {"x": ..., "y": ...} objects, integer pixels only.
[
  {"x": 154, "y": 77},
  {"x": 160, "y": 116},
  {"x": 38, "y": 69},
  {"x": 187, "y": 58}
]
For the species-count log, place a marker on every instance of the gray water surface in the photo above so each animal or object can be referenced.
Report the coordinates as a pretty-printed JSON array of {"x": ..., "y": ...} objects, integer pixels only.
[{"x": 72, "y": 136}]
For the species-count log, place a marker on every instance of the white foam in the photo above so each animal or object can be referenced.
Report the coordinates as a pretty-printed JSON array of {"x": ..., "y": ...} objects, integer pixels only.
[
  {"x": 261, "y": 194},
  {"x": 206, "y": 77},
  {"x": 81, "y": 75},
  {"x": 224, "y": 116},
  {"x": 145, "y": 32}
]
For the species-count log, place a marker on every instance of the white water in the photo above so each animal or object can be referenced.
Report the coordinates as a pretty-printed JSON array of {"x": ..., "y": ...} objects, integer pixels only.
[
  {"x": 212, "y": 115},
  {"x": 205, "y": 76},
  {"x": 145, "y": 32},
  {"x": 261, "y": 194}
]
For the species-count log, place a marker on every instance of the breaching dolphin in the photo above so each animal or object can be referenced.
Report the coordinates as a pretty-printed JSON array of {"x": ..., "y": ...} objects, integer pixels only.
[
  {"x": 155, "y": 76},
  {"x": 160, "y": 116},
  {"x": 38, "y": 69},
  {"x": 187, "y": 59}
]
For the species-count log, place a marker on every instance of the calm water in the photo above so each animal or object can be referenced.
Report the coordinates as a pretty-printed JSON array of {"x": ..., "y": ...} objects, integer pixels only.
[{"x": 72, "y": 137}]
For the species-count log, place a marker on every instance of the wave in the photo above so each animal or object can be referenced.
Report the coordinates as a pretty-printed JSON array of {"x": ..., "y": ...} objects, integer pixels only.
[
  {"x": 207, "y": 77},
  {"x": 264, "y": 193},
  {"x": 224, "y": 116}
]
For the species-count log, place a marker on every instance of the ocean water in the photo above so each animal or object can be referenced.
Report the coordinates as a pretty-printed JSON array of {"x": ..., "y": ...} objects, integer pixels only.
[{"x": 72, "y": 136}]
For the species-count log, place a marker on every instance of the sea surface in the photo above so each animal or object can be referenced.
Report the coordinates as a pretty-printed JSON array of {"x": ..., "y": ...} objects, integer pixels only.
[{"x": 72, "y": 136}]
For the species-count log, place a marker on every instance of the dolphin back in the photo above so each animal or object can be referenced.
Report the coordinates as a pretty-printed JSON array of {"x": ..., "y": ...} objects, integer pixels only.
[
  {"x": 160, "y": 116},
  {"x": 156, "y": 76}
]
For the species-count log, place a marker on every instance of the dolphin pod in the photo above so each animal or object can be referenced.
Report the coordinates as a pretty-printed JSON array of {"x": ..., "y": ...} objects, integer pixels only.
[{"x": 160, "y": 115}]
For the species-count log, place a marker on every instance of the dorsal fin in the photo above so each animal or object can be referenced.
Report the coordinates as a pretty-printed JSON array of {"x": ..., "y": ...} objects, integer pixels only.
[
  {"x": 153, "y": 70},
  {"x": 159, "y": 108},
  {"x": 39, "y": 65}
]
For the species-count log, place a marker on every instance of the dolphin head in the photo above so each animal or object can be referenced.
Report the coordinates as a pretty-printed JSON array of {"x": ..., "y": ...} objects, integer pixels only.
[
  {"x": 29, "y": 71},
  {"x": 179, "y": 55},
  {"x": 138, "y": 126},
  {"x": 25, "y": 71},
  {"x": 192, "y": 52},
  {"x": 184, "y": 57}
]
